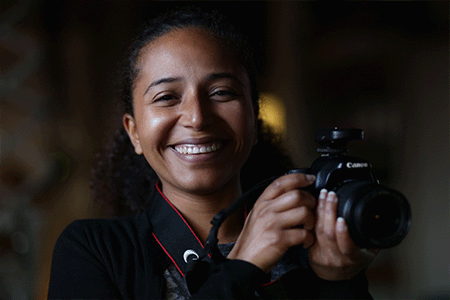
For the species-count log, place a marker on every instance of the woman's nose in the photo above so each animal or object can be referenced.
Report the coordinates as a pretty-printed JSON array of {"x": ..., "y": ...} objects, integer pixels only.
[{"x": 195, "y": 112}]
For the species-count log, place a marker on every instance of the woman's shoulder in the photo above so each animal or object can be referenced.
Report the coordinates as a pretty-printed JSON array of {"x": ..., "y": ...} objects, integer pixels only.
[
  {"x": 104, "y": 223},
  {"x": 107, "y": 232},
  {"x": 105, "y": 252}
]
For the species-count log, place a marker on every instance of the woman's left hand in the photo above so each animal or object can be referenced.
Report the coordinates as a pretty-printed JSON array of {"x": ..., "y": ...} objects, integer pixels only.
[{"x": 334, "y": 256}]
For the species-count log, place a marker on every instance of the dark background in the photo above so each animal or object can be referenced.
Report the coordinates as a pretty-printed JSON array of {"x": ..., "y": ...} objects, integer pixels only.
[{"x": 379, "y": 66}]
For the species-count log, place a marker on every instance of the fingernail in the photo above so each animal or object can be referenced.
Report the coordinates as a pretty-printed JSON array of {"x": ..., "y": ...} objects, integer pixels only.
[
  {"x": 332, "y": 197},
  {"x": 323, "y": 194},
  {"x": 310, "y": 177},
  {"x": 340, "y": 224}
]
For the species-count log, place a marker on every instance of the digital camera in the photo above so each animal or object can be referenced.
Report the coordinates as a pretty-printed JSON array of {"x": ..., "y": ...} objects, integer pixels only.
[{"x": 376, "y": 216}]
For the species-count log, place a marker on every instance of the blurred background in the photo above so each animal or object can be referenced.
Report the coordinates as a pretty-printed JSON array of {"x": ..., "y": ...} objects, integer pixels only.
[{"x": 379, "y": 66}]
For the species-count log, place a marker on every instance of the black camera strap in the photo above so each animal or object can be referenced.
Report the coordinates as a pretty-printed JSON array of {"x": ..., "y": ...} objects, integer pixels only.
[
  {"x": 177, "y": 240},
  {"x": 198, "y": 269}
]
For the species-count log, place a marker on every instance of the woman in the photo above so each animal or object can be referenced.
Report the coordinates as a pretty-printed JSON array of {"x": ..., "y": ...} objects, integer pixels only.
[{"x": 191, "y": 110}]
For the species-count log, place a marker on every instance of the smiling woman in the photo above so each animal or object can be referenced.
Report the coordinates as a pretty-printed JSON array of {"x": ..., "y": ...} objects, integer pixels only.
[
  {"x": 199, "y": 96},
  {"x": 191, "y": 144},
  {"x": 119, "y": 155}
]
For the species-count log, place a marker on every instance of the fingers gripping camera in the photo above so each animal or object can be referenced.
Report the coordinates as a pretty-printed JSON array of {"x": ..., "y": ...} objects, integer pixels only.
[{"x": 377, "y": 216}]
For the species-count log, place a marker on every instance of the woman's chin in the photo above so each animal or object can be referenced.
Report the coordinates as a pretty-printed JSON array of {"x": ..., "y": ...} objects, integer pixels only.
[{"x": 206, "y": 184}]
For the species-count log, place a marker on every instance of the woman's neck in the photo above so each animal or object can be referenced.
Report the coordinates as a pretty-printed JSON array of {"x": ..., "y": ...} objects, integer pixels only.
[{"x": 199, "y": 210}]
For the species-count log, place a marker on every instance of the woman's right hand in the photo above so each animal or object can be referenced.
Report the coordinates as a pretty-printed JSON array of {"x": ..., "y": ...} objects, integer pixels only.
[{"x": 282, "y": 217}]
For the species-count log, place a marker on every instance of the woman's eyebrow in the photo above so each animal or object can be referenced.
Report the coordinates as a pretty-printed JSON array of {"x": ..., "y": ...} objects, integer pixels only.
[
  {"x": 214, "y": 76},
  {"x": 162, "y": 80}
]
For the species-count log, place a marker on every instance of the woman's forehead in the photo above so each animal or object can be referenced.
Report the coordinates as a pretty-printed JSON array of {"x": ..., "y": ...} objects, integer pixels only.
[{"x": 180, "y": 48}]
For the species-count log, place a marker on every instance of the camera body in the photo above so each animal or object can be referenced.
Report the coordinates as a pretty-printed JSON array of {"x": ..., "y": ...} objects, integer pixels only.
[{"x": 376, "y": 216}]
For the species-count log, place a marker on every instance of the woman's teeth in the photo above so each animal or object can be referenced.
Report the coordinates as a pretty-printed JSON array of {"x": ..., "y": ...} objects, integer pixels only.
[{"x": 198, "y": 149}]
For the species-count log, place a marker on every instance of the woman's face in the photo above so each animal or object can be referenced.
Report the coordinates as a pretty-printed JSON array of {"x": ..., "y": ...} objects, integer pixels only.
[{"x": 193, "y": 115}]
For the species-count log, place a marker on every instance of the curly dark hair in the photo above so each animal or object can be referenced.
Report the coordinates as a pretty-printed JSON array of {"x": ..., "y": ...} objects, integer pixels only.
[{"x": 122, "y": 180}]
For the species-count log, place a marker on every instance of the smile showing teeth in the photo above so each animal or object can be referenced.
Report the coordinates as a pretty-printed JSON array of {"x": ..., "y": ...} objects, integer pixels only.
[{"x": 198, "y": 149}]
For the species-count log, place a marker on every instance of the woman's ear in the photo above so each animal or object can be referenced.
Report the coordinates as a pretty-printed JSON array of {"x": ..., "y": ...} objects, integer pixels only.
[{"x": 130, "y": 126}]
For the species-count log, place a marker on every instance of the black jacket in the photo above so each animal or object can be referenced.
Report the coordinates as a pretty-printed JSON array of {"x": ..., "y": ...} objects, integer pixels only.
[{"x": 124, "y": 258}]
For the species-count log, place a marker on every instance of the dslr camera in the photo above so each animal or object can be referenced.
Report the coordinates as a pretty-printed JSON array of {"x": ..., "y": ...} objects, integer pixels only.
[{"x": 376, "y": 216}]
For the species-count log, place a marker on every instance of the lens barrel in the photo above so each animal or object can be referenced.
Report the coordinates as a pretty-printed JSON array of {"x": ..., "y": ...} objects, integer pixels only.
[{"x": 376, "y": 216}]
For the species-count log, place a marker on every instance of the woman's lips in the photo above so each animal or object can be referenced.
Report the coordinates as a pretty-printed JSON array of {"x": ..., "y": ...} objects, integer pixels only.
[{"x": 196, "y": 149}]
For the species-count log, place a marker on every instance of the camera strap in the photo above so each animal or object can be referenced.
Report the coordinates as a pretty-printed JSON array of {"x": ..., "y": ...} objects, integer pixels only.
[
  {"x": 198, "y": 269},
  {"x": 178, "y": 241}
]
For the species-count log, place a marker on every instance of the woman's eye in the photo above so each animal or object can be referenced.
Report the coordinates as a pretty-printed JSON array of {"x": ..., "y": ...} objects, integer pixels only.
[
  {"x": 165, "y": 99},
  {"x": 224, "y": 95}
]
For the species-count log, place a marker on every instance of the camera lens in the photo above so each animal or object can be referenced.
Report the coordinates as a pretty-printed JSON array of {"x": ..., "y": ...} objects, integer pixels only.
[
  {"x": 381, "y": 217},
  {"x": 377, "y": 217}
]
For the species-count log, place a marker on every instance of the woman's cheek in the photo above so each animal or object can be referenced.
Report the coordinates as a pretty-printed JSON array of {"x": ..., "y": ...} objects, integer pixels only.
[{"x": 154, "y": 130}]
